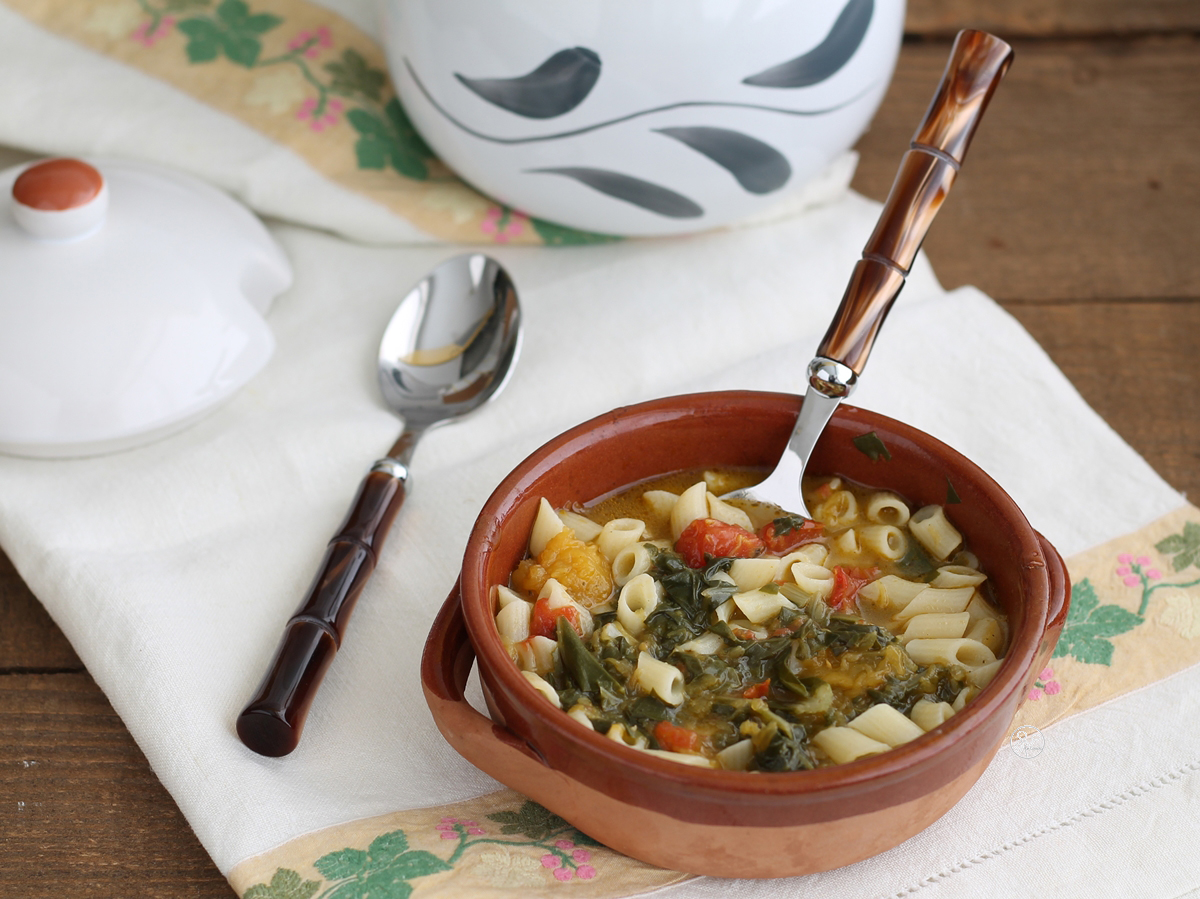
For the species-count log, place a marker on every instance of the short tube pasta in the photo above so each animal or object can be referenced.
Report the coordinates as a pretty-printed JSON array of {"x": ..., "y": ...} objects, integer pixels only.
[
  {"x": 885, "y": 724},
  {"x": 884, "y": 540},
  {"x": 545, "y": 525},
  {"x": 845, "y": 744},
  {"x": 657, "y": 677},
  {"x": 616, "y": 535},
  {"x": 711, "y": 634},
  {"x": 949, "y": 651},
  {"x": 934, "y": 531},
  {"x": 887, "y": 508}
]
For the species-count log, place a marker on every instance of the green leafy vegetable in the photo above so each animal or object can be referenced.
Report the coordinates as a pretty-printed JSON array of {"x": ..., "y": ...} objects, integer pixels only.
[{"x": 872, "y": 446}]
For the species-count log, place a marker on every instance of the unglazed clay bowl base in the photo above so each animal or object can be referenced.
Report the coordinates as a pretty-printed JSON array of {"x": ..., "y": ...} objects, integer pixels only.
[{"x": 731, "y": 823}]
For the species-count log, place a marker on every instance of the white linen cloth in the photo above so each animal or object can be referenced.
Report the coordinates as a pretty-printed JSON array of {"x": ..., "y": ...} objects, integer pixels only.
[{"x": 172, "y": 568}]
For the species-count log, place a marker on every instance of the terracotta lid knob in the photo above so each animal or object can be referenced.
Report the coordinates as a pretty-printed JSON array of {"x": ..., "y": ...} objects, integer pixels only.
[{"x": 60, "y": 199}]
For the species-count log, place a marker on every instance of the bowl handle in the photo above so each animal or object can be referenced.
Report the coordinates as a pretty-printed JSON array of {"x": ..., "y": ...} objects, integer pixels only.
[
  {"x": 445, "y": 667},
  {"x": 1058, "y": 606}
]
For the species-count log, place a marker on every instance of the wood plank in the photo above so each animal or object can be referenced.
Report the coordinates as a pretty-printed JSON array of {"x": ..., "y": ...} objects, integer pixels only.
[
  {"x": 1024, "y": 18},
  {"x": 81, "y": 813},
  {"x": 29, "y": 639},
  {"x": 1136, "y": 364},
  {"x": 1081, "y": 181}
]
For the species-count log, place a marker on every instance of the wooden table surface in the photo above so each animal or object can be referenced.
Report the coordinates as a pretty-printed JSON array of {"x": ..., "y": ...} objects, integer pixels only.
[{"x": 1078, "y": 210}]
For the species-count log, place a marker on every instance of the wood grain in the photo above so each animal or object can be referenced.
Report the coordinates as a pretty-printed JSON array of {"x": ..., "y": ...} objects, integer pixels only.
[{"x": 1076, "y": 209}]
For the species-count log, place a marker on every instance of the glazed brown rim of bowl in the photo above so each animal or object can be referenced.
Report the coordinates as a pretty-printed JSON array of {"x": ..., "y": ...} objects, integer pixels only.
[{"x": 908, "y": 771}]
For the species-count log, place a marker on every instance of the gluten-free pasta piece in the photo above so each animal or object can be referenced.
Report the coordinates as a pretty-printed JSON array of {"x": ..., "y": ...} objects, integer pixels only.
[
  {"x": 887, "y": 725},
  {"x": 949, "y": 651},
  {"x": 657, "y": 677},
  {"x": 937, "y": 625},
  {"x": 987, "y": 631},
  {"x": 958, "y": 576},
  {"x": 890, "y": 593},
  {"x": 536, "y": 654},
  {"x": 759, "y": 606},
  {"x": 619, "y": 533},
  {"x": 934, "y": 531},
  {"x": 887, "y": 508},
  {"x": 845, "y": 744},
  {"x": 839, "y": 510},
  {"x": 545, "y": 525},
  {"x": 927, "y": 715},
  {"x": 639, "y": 597},
  {"x": 544, "y": 688},
  {"x": 692, "y": 504},
  {"x": 751, "y": 574},
  {"x": 723, "y": 511},
  {"x": 813, "y": 579},
  {"x": 512, "y": 621},
  {"x": 581, "y": 526},
  {"x": 937, "y": 599},
  {"x": 884, "y": 540},
  {"x": 633, "y": 560}
]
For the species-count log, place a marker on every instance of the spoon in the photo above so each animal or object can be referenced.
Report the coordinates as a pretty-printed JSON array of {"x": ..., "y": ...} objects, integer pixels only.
[
  {"x": 927, "y": 171},
  {"x": 449, "y": 348}
]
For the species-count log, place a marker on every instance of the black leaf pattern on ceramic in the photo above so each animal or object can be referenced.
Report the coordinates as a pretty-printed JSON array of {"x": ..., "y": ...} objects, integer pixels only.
[
  {"x": 757, "y": 166},
  {"x": 649, "y": 196},
  {"x": 555, "y": 87},
  {"x": 827, "y": 57}
]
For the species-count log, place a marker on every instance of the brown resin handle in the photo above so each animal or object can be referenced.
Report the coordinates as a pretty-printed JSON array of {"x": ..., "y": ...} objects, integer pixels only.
[
  {"x": 272, "y": 721},
  {"x": 977, "y": 63}
]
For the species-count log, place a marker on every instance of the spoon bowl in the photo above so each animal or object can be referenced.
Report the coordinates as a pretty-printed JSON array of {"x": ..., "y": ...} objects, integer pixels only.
[{"x": 449, "y": 348}]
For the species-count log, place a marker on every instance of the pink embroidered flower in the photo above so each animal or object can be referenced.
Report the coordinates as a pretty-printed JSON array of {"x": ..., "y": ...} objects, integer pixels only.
[
  {"x": 563, "y": 874},
  {"x": 581, "y": 855},
  {"x": 503, "y": 224},
  {"x": 563, "y": 844},
  {"x": 1132, "y": 580},
  {"x": 1153, "y": 573},
  {"x": 449, "y": 835},
  {"x": 149, "y": 33},
  {"x": 550, "y": 860},
  {"x": 312, "y": 42},
  {"x": 475, "y": 830},
  {"x": 320, "y": 121},
  {"x": 1125, "y": 558},
  {"x": 1045, "y": 685},
  {"x": 586, "y": 872}
]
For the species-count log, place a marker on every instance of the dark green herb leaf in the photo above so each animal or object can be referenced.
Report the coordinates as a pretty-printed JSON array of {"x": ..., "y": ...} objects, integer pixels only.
[
  {"x": 871, "y": 446},
  {"x": 580, "y": 664},
  {"x": 951, "y": 494}
]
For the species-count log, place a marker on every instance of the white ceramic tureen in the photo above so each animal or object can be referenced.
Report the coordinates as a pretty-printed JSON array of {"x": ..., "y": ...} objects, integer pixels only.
[
  {"x": 132, "y": 303},
  {"x": 647, "y": 117}
]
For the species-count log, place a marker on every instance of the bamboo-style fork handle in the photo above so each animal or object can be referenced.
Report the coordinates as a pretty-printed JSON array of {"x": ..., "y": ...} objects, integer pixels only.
[{"x": 977, "y": 63}]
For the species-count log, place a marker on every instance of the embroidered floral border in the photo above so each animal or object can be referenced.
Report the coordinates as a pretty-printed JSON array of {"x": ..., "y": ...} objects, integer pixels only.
[
  {"x": 308, "y": 79},
  {"x": 1134, "y": 620}
]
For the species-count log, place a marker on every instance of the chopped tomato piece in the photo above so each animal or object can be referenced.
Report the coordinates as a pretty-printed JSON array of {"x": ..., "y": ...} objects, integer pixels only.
[
  {"x": 786, "y": 533},
  {"x": 543, "y": 621},
  {"x": 846, "y": 584},
  {"x": 675, "y": 738},
  {"x": 824, "y": 491},
  {"x": 709, "y": 537},
  {"x": 758, "y": 691}
]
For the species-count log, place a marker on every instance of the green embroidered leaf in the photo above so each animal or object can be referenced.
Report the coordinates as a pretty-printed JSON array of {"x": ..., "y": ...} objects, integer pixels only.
[
  {"x": 233, "y": 12},
  {"x": 241, "y": 49},
  {"x": 871, "y": 446},
  {"x": 386, "y": 847},
  {"x": 561, "y": 236},
  {"x": 341, "y": 864},
  {"x": 1184, "y": 546},
  {"x": 531, "y": 820},
  {"x": 416, "y": 863},
  {"x": 204, "y": 39},
  {"x": 353, "y": 75},
  {"x": 391, "y": 140},
  {"x": 1089, "y": 625},
  {"x": 286, "y": 884}
]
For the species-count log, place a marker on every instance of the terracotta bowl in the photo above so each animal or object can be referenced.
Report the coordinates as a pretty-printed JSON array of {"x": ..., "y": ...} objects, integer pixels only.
[{"x": 731, "y": 823}]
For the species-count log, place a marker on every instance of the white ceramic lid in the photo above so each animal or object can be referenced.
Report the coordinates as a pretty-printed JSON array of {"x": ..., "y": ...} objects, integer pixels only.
[{"x": 132, "y": 303}]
